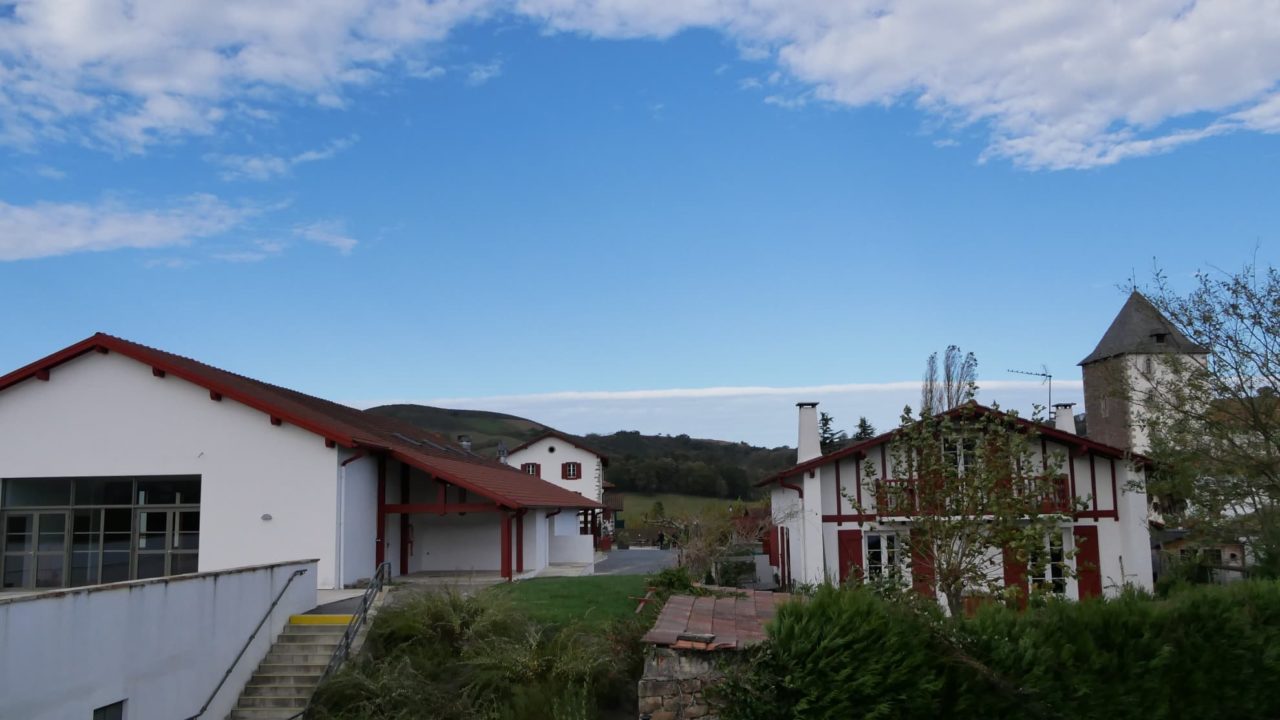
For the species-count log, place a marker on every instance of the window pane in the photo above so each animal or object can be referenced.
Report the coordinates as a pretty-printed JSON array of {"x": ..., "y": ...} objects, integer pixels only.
[
  {"x": 188, "y": 530},
  {"x": 53, "y": 531},
  {"x": 49, "y": 571},
  {"x": 117, "y": 521},
  {"x": 84, "y": 568},
  {"x": 169, "y": 491},
  {"x": 150, "y": 565},
  {"x": 114, "y": 711},
  {"x": 180, "y": 563},
  {"x": 37, "y": 492},
  {"x": 104, "y": 491},
  {"x": 17, "y": 533},
  {"x": 17, "y": 571},
  {"x": 153, "y": 530},
  {"x": 115, "y": 565},
  {"x": 86, "y": 521}
]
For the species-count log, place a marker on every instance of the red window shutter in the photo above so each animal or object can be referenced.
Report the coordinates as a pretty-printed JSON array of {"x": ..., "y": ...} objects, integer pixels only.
[
  {"x": 922, "y": 580},
  {"x": 849, "y": 544},
  {"x": 1015, "y": 575},
  {"x": 771, "y": 547},
  {"x": 1088, "y": 571},
  {"x": 531, "y": 469},
  {"x": 564, "y": 471}
]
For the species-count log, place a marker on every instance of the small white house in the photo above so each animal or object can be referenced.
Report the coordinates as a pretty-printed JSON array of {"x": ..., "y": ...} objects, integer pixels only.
[
  {"x": 835, "y": 522},
  {"x": 119, "y": 461},
  {"x": 565, "y": 461}
]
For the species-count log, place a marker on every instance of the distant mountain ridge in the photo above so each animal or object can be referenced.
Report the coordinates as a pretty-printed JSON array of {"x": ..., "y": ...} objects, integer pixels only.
[{"x": 638, "y": 463}]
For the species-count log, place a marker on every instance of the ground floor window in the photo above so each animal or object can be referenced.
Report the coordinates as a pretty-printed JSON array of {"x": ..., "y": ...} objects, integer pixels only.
[
  {"x": 1048, "y": 568},
  {"x": 882, "y": 555},
  {"x": 114, "y": 711},
  {"x": 69, "y": 532}
]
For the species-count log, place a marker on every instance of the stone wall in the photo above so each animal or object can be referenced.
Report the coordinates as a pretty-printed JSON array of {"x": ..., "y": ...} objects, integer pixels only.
[{"x": 675, "y": 682}]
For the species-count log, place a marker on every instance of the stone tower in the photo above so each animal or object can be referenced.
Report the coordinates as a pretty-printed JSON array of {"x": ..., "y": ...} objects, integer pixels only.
[{"x": 1117, "y": 372}]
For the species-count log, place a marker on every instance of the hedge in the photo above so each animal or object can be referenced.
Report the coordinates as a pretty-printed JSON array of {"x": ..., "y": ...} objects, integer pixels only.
[{"x": 1206, "y": 652}]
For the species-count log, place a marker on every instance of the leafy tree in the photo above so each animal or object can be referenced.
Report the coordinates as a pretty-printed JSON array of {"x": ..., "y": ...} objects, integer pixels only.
[
  {"x": 1214, "y": 420},
  {"x": 957, "y": 385},
  {"x": 865, "y": 430},
  {"x": 828, "y": 437},
  {"x": 975, "y": 489}
]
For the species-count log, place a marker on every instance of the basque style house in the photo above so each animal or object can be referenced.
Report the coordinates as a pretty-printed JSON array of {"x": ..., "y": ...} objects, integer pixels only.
[
  {"x": 119, "y": 461},
  {"x": 567, "y": 462},
  {"x": 834, "y": 522}
]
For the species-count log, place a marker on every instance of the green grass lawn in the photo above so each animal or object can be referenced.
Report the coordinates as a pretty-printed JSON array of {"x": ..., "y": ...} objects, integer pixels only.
[{"x": 594, "y": 599}]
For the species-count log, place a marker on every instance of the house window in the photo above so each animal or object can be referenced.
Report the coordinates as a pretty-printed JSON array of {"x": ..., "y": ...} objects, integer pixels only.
[
  {"x": 882, "y": 555},
  {"x": 114, "y": 711},
  {"x": 571, "y": 471},
  {"x": 70, "y": 532},
  {"x": 531, "y": 469},
  {"x": 1048, "y": 567}
]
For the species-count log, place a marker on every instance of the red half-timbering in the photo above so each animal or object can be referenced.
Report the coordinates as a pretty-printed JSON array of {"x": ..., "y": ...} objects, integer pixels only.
[
  {"x": 922, "y": 574},
  {"x": 1015, "y": 575}
]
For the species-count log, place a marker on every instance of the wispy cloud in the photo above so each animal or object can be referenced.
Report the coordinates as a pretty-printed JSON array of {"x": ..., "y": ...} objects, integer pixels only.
[
  {"x": 48, "y": 172},
  {"x": 763, "y": 415},
  {"x": 49, "y": 229},
  {"x": 482, "y": 73},
  {"x": 330, "y": 233},
  {"x": 267, "y": 167}
]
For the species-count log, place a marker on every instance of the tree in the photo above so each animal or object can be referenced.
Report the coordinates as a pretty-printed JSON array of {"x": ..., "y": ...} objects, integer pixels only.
[
  {"x": 828, "y": 438},
  {"x": 707, "y": 537},
  {"x": 1214, "y": 422},
  {"x": 957, "y": 386},
  {"x": 865, "y": 430},
  {"x": 977, "y": 493}
]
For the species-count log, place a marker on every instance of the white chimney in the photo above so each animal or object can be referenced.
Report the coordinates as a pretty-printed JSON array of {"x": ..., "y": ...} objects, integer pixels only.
[
  {"x": 465, "y": 442},
  {"x": 1064, "y": 418},
  {"x": 809, "y": 445}
]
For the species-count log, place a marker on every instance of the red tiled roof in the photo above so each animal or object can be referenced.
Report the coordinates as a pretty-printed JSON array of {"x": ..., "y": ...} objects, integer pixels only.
[
  {"x": 576, "y": 442},
  {"x": 343, "y": 425},
  {"x": 711, "y": 623},
  {"x": 1046, "y": 431}
]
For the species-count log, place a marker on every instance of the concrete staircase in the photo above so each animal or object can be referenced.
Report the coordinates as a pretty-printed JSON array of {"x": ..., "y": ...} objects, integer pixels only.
[{"x": 283, "y": 683}]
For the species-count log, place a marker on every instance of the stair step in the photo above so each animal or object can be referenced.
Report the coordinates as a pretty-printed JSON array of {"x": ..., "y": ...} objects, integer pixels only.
[
  {"x": 309, "y": 638},
  {"x": 286, "y": 657},
  {"x": 265, "y": 701},
  {"x": 308, "y": 680},
  {"x": 320, "y": 620},
  {"x": 334, "y": 630},
  {"x": 255, "y": 689},
  {"x": 263, "y": 713}
]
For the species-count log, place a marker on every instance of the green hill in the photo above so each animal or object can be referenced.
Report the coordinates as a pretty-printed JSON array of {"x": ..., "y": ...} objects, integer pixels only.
[{"x": 637, "y": 463}]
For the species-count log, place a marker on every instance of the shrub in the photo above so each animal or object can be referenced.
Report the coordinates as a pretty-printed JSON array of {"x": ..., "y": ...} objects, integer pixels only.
[{"x": 1204, "y": 652}]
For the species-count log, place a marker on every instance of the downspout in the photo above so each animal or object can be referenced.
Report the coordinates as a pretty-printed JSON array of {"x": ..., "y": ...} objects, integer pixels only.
[{"x": 342, "y": 512}]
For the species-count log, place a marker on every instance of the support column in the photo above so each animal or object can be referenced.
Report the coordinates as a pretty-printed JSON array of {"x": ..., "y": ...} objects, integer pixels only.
[
  {"x": 520, "y": 540},
  {"x": 380, "y": 553},
  {"x": 406, "y": 540},
  {"x": 505, "y": 519}
]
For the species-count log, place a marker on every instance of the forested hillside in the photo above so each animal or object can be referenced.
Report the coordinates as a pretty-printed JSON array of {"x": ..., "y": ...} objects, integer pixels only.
[{"x": 638, "y": 463}]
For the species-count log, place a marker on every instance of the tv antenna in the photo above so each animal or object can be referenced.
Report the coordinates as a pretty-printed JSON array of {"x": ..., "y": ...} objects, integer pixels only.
[{"x": 1044, "y": 373}]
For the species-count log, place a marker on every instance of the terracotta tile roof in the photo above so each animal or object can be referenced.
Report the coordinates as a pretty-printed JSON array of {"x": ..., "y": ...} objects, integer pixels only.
[
  {"x": 711, "y": 623},
  {"x": 343, "y": 425}
]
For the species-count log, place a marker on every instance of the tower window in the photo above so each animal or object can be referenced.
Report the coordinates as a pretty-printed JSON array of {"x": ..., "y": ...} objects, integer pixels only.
[{"x": 1160, "y": 337}]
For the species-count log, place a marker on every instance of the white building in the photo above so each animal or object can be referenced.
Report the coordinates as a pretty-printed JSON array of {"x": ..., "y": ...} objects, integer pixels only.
[
  {"x": 835, "y": 522},
  {"x": 120, "y": 461},
  {"x": 565, "y": 461}
]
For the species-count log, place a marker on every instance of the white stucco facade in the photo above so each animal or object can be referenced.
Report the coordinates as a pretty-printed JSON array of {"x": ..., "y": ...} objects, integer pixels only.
[
  {"x": 551, "y": 453},
  {"x": 158, "y": 645}
]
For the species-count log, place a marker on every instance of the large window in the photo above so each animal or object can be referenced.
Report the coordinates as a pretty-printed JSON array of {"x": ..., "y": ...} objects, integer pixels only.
[
  {"x": 69, "y": 532},
  {"x": 882, "y": 555},
  {"x": 1048, "y": 567}
]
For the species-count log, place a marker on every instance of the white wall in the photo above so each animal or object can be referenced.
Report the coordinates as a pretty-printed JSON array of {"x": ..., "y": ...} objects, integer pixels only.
[
  {"x": 550, "y": 453},
  {"x": 160, "y": 645},
  {"x": 567, "y": 522},
  {"x": 542, "y": 542},
  {"x": 572, "y": 549},
  {"x": 457, "y": 542},
  {"x": 358, "y": 517},
  {"x": 108, "y": 415}
]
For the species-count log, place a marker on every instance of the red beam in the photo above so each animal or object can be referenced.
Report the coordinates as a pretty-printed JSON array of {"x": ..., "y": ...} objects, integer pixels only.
[
  {"x": 505, "y": 521},
  {"x": 43, "y": 375},
  {"x": 276, "y": 421},
  {"x": 855, "y": 517},
  {"x": 380, "y": 554},
  {"x": 101, "y": 350},
  {"x": 404, "y": 520},
  {"x": 215, "y": 396},
  {"x": 330, "y": 443},
  {"x": 520, "y": 540},
  {"x": 427, "y": 508},
  {"x": 157, "y": 372}
]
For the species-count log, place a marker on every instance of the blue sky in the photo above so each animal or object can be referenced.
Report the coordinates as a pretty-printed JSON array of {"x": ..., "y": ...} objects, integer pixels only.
[{"x": 591, "y": 212}]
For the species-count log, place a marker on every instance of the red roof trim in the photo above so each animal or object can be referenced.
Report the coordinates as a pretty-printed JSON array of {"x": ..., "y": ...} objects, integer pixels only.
[
  {"x": 1045, "y": 431},
  {"x": 315, "y": 421},
  {"x": 604, "y": 459}
]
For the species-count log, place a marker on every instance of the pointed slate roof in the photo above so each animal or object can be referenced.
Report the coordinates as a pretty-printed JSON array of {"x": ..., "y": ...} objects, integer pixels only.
[{"x": 1137, "y": 330}]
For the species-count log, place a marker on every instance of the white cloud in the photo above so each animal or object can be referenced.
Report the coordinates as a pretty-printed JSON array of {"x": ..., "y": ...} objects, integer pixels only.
[
  {"x": 50, "y": 229},
  {"x": 257, "y": 252},
  {"x": 482, "y": 73},
  {"x": 761, "y": 415},
  {"x": 267, "y": 167},
  {"x": 49, "y": 172},
  {"x": 1053, "y": 84},
  {"x": 330, "y": 233}
]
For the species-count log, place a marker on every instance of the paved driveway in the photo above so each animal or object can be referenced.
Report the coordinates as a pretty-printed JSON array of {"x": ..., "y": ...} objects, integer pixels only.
[{"x": 636, "y": 562}]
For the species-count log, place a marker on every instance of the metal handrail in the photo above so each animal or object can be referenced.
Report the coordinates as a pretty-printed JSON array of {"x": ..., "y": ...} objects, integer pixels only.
[
  {"x": 247, "y": 643},
  {"x": 343, "y": 649}
]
